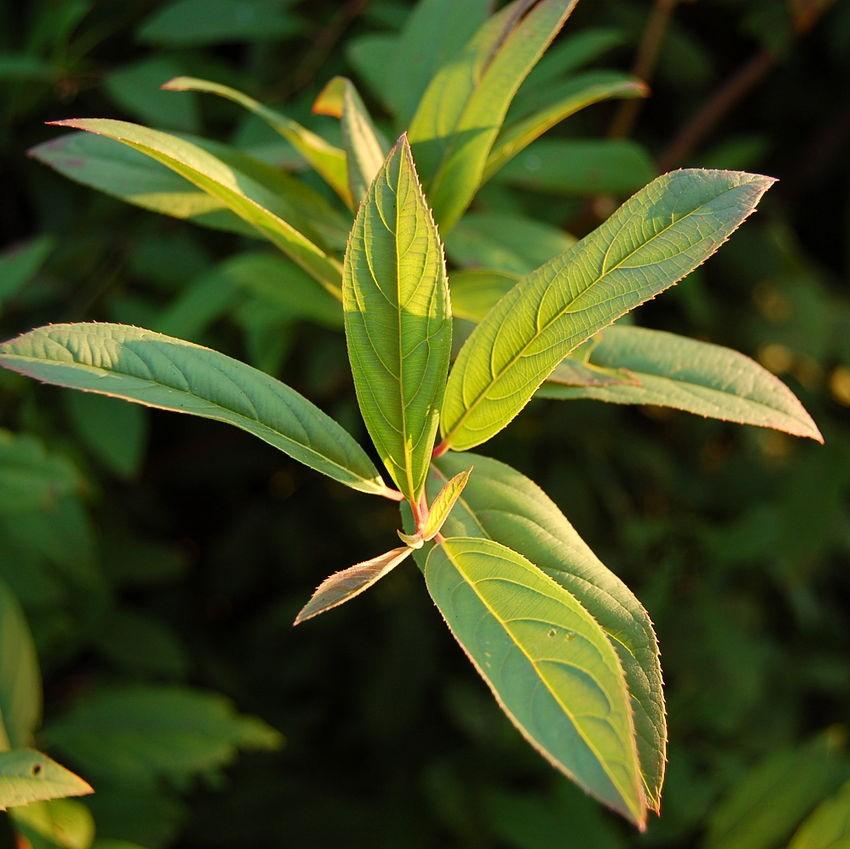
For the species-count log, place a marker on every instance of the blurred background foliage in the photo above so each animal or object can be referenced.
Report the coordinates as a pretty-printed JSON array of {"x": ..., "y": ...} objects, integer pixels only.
[{"x": 160, "y": 561}]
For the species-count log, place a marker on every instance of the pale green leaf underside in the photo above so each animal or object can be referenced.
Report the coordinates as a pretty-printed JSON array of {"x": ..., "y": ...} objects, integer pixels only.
[
  {"x": 565, "y": 100},
  {"x": 398, "y": 320},
  {"x": 547, "y": 661},
  {"x": 240, "y": 193},
  {"x": 672, "y": 371},
  {"x": 654, "y": 240},
  {"x": 443, "y": 503},
  {"x": 327, "y": 160},
  {"x": 343, "y": 586},
  {"x": 170, "y": 374},
  {"x": 828, "y": 827},
  {"x": 501, "y": 504},
  {"x": 460, "y": 114},
  {"x": 28, "y": 776}
]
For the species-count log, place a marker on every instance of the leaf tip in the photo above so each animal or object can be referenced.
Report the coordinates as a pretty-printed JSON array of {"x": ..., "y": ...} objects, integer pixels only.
[{"x": 175, "y": 84}]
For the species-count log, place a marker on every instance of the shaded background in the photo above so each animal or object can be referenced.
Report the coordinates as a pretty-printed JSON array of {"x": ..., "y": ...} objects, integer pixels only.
[{"x": 187, "y": 548}]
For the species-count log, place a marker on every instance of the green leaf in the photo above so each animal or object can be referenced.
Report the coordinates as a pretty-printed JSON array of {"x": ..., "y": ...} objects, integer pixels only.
[
  {"x": 135, "y": 178},
  {"x": 765, "y": 806},
  {"x": 115, "y": 433},
  {"x": 434, "y": 34},
  {"x": 57, "y": 824},
  {"x": 398, "y": 319},
  {"x": 194, "y": 23},
  {"x": 828, "y": 827},
  {"x": 475, "y": 293},
  {"x": 654, "y": 240},
  {"x": 136, "y": 89},
  {"x": 561, "y": 102},
  {"x": 546, "y": 660},
  {"x": 170, "y": 374},
  {"x": 30, "y": 477},
  {"x": 20, "y": 679},
  {"x": 501, "y": 504},
  {"x": 505, "y": 243},
  {"x": 365, "y": 147},
  {"x": 145, "y": 732},
  {"x": 672, "y": 371},
  {"x": 586, "y": 168},
  {"x": 19, "y": 263},
  {"x": 369, "y": 55},
  {"x": 343, "y": 586},
  {"x": 327, "y": 160},
  {"x": 241, "y": 194},
  {"x": 443, "y": 503},
  {"x": 28, "y": 776},
  {"x": 463, "y": 108}
]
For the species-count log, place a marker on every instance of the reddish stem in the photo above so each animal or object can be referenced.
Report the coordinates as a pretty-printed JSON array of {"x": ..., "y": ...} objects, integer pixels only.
[{"x": 440, "y": 449}]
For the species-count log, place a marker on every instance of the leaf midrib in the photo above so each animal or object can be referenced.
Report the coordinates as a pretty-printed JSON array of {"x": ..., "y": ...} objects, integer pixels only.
[{"x": 539, "y": 332}]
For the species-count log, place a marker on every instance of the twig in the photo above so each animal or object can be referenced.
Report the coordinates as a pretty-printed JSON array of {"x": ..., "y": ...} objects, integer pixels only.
[
  {"x": 645, "y": 61},
  {"x": 734, "y": 89}
]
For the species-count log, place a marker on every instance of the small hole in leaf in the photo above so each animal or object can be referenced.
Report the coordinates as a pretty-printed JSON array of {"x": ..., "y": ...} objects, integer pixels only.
[
  {"x": 36, "y": 769},
  {"x": 552, "y": 632}
]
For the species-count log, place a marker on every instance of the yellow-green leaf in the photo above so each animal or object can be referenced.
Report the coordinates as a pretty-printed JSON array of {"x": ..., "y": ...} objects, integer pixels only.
[
  {"x": 365, "y": 147},
  {"x": 548, "y": 663},
  {"x": 343, "y": 586},
  {"x": 654, "y": 240},
  {"x": 29, "y": 776},
  {"x": 397, "y": 319},
  {"x": 443, "y": 503},
  {"x": 327, "y": 160}
]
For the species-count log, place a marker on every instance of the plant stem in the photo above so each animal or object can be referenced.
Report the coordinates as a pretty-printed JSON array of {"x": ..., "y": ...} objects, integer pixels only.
[
  {"x": 734, "y": 89},
  {"x": 645, "y": 61},
  {"x": 440, "y": 449}
]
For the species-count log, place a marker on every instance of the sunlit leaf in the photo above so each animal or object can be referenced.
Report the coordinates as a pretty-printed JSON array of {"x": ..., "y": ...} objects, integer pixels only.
[
  {"x": 365, "y": 147},
  {"x": 547, "y": 661},
  {"x": 327, "y": 160},
  {"x": 443, "y": 503},
  {"x": 828, "y": 826},
  {"x": 501, "y": 504},
  {"x": 56, "y": 824},
  {"x": 170, "y": 374},
  {"x": 398, "y": 320},
  {"x": 653, "y": 241},
  {"x": 345, "y": 585},
  {"x": 29, "y": 776},
  {"x": 561, "y": 102},
  {"x": 672, "y": 371},
  {"x": 460, "y": 114},
  {"x": 476, "y": 292}
]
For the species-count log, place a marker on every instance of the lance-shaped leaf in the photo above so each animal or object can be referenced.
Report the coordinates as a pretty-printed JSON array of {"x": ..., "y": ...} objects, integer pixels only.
[
  {"x": 170, "y": 374},
  {"x": 20, "y": 678},
  {"x": 397, "y": 319},
  {"x": 29, "y": 776},
  {"x": 365, "y": 147},
  {"x": 672, "y": 371},
  {"x": 654, "y": 240},
  {"x": 345, "y": 585},
  {"x": 828, "y": 827},
  {"x": 327, "y": 160},
  {"x": 241, "y": 194},
  {"x": 547, "y": 661},
  {"x": 135, "y": 178},
  {"x": 561, "y": 101},
  {"x": 443, "y": 503},
  {"x": 501, "y": 504},
  {"x": 463, "y": 108}
]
